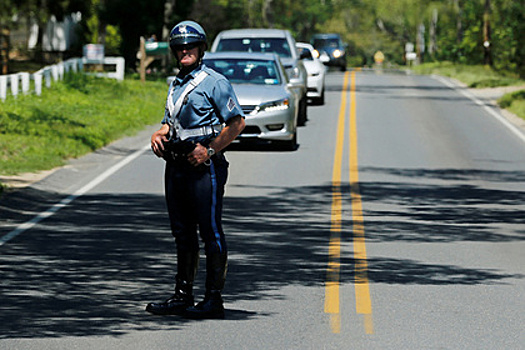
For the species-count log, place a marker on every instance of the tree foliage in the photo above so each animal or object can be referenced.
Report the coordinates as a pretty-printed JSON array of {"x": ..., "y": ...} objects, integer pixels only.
[{"x": 367, "y": 26}]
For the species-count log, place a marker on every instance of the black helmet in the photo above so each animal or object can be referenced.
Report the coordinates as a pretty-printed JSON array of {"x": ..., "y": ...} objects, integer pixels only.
[{"x": 186, "y": 32}]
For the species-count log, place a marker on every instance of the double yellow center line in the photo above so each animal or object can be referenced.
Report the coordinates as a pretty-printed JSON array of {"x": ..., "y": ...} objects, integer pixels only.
[{"x": 362, "y": 290}]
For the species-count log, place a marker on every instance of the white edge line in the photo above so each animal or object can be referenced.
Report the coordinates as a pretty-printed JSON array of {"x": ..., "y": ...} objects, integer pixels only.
[
  {"x": 513, "y": 128},
  {"x": 64, "y": 202}
]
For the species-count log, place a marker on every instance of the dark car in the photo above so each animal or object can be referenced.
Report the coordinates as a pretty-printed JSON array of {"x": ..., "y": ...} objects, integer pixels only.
[{"x": 331, "y": 49}]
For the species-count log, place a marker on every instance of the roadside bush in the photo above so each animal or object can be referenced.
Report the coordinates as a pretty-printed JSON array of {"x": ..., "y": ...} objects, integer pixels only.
[{"x": 514, "y": 102}]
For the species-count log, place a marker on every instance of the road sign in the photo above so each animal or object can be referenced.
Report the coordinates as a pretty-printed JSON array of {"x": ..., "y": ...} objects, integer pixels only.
[
  {"x": 379, "y": 57},
  {"x": 156, "y": 48}
]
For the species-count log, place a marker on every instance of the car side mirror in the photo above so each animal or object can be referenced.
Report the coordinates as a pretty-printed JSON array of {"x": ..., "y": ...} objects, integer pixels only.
[
  {"x": 304, "y": 55},
  {"x": 296, "y": 82}
]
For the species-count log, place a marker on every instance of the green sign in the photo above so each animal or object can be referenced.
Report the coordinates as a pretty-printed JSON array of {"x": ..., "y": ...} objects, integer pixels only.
[{"x": 156, "y": 48}]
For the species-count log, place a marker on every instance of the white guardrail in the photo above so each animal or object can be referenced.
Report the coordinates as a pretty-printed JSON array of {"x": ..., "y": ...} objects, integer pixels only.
[{"x": 21, "y": 81}]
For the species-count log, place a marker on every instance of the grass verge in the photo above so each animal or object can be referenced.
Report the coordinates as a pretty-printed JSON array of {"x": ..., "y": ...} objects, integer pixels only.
[
  {"x": 474, "y": 76},
  {"x": 75, "y": 116}
]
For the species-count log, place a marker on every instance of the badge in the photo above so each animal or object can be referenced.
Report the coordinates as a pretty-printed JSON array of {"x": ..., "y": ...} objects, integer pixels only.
[{"x": 231, "y": 104}]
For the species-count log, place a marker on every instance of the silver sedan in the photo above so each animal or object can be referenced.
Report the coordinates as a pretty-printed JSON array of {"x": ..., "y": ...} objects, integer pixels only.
[{"x": 264, "y": 92}]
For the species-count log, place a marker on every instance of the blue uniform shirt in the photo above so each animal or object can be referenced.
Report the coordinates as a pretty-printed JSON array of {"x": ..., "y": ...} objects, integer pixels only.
[{"x": 212, "y": 102}]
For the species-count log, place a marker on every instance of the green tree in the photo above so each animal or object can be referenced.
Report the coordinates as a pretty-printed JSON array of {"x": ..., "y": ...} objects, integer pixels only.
[
  {"x": 454, "y": 29},
  {"x": 508, "y": 35},
  {"x": 97, "y": 30},
  {"x": 136, "y": 18},
  {"x": 7, "y": 10}
]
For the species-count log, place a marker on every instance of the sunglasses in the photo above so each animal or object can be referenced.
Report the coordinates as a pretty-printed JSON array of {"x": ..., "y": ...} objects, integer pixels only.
[{"x": 189, "y": 46}]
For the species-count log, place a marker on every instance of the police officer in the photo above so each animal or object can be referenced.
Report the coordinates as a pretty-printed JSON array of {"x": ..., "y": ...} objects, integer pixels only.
[{"x": 202, "y": 117}]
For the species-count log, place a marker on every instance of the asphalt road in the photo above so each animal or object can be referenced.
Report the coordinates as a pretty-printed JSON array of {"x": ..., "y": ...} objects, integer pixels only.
[{"x": 398, "y": 223}]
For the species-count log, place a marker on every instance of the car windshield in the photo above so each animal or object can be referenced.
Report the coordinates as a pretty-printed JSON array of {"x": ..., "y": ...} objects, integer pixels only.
[
  {"x": 326, "y": 43},
  {"x": 244, "y": 71},
  {"x": 277, "y": 45}
]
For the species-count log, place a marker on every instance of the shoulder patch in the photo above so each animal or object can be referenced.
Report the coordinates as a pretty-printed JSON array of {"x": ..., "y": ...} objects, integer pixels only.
[{"x": 231, "y": 104}]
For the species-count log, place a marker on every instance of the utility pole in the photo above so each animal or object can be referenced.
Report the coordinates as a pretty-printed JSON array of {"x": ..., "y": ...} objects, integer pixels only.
[
  {"x": 432, "y": 46},
  {"x": 420, "y": 43},
  {"x": 102, "y": 26},
  {"x": 267, "y": 13},
  {"x": 459, "y": 25},
  {"x": 486, "y": 35},
  {"x": 4, "y": 51},
  {"x": 169, "y": 9}
]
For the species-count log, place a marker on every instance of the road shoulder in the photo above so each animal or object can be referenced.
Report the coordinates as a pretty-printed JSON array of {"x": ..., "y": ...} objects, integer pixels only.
[
  {"x": 61, "y": 179},
  {"x": 490, "y": 97}
]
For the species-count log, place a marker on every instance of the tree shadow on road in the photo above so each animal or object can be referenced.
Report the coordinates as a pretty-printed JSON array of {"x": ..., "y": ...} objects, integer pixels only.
[{"x": 91, "y": 268}]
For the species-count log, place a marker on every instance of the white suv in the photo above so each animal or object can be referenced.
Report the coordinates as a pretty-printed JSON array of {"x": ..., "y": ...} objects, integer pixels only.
[{"x": 277, "y": 41}]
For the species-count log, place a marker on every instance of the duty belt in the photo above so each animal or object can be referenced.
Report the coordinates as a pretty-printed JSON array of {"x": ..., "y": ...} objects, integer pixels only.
[{"x": 183, "y": 157}]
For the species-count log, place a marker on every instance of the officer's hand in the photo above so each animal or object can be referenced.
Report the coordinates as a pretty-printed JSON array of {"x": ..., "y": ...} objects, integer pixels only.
[
  {"x": 157, "y": 145},
  {"x": 198, "y": 156}
]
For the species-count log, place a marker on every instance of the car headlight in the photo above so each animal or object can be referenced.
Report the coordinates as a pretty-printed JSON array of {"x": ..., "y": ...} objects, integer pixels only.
[
  {"x": 316, "y": 54},
  {"x": 338, "y": 53},
  {"x": 274, "y": 106}
]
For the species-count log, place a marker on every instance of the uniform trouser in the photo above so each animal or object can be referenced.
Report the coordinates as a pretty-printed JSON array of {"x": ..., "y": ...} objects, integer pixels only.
[{"x": 194, "y": 197}]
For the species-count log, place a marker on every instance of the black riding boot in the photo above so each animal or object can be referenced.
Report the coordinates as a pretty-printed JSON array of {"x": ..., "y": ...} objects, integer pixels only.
[
  {"x": 212, "y": 305},
  {"x": 187, "y": 264}
]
